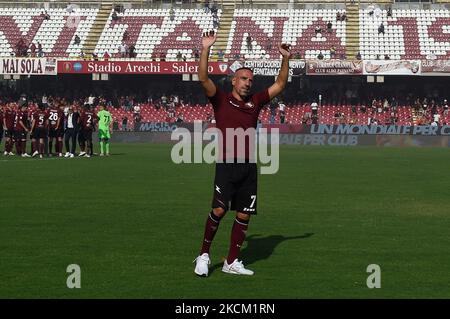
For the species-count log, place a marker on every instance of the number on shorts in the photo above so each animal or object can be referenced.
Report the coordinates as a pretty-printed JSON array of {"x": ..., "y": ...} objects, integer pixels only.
[{"x": 253, "y": 197}]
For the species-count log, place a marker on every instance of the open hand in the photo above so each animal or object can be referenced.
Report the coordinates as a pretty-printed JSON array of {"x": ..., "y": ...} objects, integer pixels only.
[{"x": 208, "y": 39}]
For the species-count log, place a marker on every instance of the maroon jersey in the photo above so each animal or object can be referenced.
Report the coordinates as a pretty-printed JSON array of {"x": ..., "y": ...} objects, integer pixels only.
[
  {"x": 231, "y": 113},
  {"x": 40, "y": 117},
  {"x": 9, "y": 119},
  {"x": 53, "y": 115},
  {"x": 61, "y": 121},
  {"x": 87, "y": 120},
  {"x": 20, "y": 116}
]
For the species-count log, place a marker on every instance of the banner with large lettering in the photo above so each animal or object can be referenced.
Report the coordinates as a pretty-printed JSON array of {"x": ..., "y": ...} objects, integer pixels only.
[
  {"x": 28, "y": 66},
  {"x": 350, "y": 129},
  {"x": 435, "y": 66},
  {"x": 306, "y": 139},
  {"x": 330, "y": 67},
  {"x": 353, "y": 129},
  {"x": 138, "y": 67},
  {"x": 164, "y": 126},
  {"x": 392, "y": 67},
  {"x": 269, "y": 67}
]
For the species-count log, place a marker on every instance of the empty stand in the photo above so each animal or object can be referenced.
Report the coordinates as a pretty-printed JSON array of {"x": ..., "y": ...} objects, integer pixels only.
[
  {"x": 267, "y": 27},
  {"x": 154, "y": 34},
  {"x": 56, "y": 34},
  {"x": 409, "y": 34}
]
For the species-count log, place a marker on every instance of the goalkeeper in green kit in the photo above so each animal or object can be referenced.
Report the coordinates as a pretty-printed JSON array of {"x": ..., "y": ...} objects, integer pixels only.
[{"x": 104, "y": 133}]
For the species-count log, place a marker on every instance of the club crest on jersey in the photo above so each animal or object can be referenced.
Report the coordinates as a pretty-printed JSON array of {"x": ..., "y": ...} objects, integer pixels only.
[{"x": 250, "y": 105}]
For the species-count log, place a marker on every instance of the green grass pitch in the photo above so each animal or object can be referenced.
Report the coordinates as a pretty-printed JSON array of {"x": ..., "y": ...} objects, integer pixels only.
[{"x": 134, "y": 223}]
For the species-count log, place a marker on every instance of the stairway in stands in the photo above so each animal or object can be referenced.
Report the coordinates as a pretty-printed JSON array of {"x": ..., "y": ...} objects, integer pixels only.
[
  {"x": 97, "y": 28},
  {"x": 225, "y": 26},
  {"x": 352, "y": 29}
]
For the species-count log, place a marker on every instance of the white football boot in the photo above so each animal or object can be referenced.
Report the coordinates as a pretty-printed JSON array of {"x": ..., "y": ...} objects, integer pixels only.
[
  {"x": 236, "y": 268},
  {"x": 201, "y": 265}
]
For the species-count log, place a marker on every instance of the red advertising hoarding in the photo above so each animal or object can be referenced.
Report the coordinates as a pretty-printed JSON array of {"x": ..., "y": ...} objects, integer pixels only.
[{"x": 138, "y": 67}]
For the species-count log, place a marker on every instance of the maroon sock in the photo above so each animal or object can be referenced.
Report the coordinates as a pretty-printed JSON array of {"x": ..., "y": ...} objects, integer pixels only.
[
  {"x": 238, "y": 233},
  {"x": 33, "y": 146},
  {"x": 212, "y": 224},
  {"x": 50, "y": 146},
  {"x": 60, "y": 146},
  {"x": 8, "y": 146},
  {"x": 41, "y": 148},
  {"x": 18, "y": 147}
]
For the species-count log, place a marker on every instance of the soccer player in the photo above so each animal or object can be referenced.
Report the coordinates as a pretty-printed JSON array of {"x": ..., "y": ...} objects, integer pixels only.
[
  {"x": 60, "y": 130},
  {"x": 32, "y": 135},
  {"x": 87, "y": 128},
  {"x": 234, "y": 182},
  {"x": 8, "y": 125},
  {"x": 39, "y": 128},
  {"x": 56, "y": 119},
  {"x": 104, "y": 133},
  {"x": 21, "y": 130},
  {"x": 1, "y": 124}
]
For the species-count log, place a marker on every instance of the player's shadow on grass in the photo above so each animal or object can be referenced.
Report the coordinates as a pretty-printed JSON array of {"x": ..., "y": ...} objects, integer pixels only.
[{"x": 260, "y": 248}]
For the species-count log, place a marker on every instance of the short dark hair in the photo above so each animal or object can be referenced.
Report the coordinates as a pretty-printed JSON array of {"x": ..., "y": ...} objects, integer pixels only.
[{"x": 243, "y": 68}]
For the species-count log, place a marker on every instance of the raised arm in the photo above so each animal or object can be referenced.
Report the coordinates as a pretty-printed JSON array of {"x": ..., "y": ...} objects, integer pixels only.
[
  {"x": 283, "y": 75},
  {"x": 208, "y": 40}
]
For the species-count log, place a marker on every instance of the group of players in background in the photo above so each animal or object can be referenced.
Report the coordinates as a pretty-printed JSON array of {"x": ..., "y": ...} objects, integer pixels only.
[{"x": 49, "y": 124}]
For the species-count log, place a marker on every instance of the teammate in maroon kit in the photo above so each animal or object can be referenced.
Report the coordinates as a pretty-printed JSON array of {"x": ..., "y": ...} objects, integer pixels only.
[
  {"x": 21, "y": 130},
  {"x": 39, "y": 128},
  {"x": 56, "y": 120},
  {"x": 60, "y": 129},
  {"x": 236, "y": 178},
  {"x": 8, "y": 125},
  {"x": 32, "y": 135},
  {"x": 1, "y": 124},
  {"x": 87, "y": 128}
]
